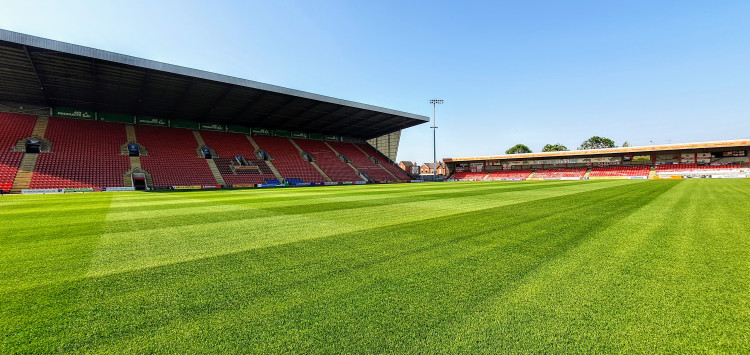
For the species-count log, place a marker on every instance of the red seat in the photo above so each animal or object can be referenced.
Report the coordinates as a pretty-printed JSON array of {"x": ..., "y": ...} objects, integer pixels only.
[
  {"x": 84, "y": 154},
  {"x": 172, "y": 158},
  {"x": 14, "y": 128},
  {"x": 288, "y": 160}
]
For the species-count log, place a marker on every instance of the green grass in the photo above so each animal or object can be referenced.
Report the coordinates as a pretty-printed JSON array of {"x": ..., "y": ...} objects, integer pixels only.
[{"x": 596, "y": 266}]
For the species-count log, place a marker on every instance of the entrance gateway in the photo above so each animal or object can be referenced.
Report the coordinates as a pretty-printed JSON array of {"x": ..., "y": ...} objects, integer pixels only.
[
  {"x": 139, "y": 181},
  {"x": 33, "y": 145}
]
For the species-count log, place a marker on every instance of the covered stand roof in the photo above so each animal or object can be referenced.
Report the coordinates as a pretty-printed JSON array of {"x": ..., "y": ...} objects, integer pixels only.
[
  {"x": 47, "y": 73},
  {"x": 728, "y": 144}
]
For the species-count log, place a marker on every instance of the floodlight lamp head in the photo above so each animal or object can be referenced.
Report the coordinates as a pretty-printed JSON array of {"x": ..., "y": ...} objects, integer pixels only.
[{"x": 436, "y": 101}]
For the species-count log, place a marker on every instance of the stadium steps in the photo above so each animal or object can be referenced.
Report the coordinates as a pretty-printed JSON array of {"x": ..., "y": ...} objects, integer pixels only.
[
  {"x": 130, "y": 132},
  {"x": 40, "y": 128},
  {"x": 127, "y": 177},
  {"x": 28, "y": 162},
  {"x": 377, "y": 161},
  {"x": 132, "y": 139},
  {"x": 25, "y": 173},
  {"x": 38, "y": 132},
  {"x": 135, "y": 162},
  {"x": 314, "y": 165},
  {"x": 530, "y": 176},
  {"x": 268, "y": 162},
  {"x": 652, "y": 172},
  {"x": 350, "y": 164},
  {"x": 211, "y": 163},
  {"x": 587, "y": 174},
  {"x": 396, "y": 169},
  {"x": 202, "y": 144},
  {"x": 20, "y": 145},
  {"x": 216, "y": 172},
  {"x": 198, "y": 138}
]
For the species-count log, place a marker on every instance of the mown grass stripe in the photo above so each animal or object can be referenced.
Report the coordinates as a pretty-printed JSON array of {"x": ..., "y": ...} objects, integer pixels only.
[
  {"x": 614, "y": 266},
  {"x": 135, "y": 243},
  {"x": 295, "y": 283}
]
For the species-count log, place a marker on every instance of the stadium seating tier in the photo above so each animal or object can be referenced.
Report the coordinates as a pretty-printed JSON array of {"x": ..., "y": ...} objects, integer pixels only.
[
  {"x": 328, "y": 161},
  {"x": 508, "y": 175},
  {"x": 172, "y": 159},
  {"x": 14, "y": 128},
  {"x": 468, "y": 175},
  {"x": 361, "y": 161},
  {"x": 287, "y": 159},
  {"x": 85, "y": 154},
  {"x": 694, "y": 168},
  {"x": 561, "y": 173},
  {"x": 229, "y": 145},
  {"x": 393, "y": 168},
  {"x": 617, "y": 171}
]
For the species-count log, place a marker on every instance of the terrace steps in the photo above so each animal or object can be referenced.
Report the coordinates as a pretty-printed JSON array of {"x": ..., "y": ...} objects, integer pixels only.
[
  {"x": 130, "y": 133},
  {"x": 40, "y": 128},
  {"x": 215, "y": 171},
  {"x": 388, "y": 171},
  {"x": 201, "y": 145},
  {"x": 348, "y": 163},
  {"x": 268, "y": 162},
  {"x": 199, "y": 138},
  {"x": 135, "y": 162},
  {"x": 376, "y": 161},
  {"x": 314, "y": 165},
  {"x": 211, "y": 163},
  {"x": 38, "y": 132},
  {"x": 133, "y": 139},
  {"x": 25, "y": 173}
]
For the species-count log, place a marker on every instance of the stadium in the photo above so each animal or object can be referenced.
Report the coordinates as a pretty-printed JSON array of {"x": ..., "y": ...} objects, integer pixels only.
[
  {"x": 154, "y": 208},
  {"x": 723, "y": 159},
  {"x": 155, "y": 125}
]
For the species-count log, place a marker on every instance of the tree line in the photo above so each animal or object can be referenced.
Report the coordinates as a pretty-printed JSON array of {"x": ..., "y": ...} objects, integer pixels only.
[{"x": 594, "y": 142}]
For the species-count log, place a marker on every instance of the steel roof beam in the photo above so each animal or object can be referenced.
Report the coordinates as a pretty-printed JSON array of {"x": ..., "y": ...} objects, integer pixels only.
[
  {"x": 249, "y": 106},
  {"x": 94, "y": 73},
  {"x": 274, "y": 113},
  {"x": 183, "y": 98},
  {"x": 36, "y": 73},
  {"x": 216, "y": 102}
]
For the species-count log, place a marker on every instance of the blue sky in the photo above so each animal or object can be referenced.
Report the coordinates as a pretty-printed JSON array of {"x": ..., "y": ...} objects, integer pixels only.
[{"x": 531, "y": 72}]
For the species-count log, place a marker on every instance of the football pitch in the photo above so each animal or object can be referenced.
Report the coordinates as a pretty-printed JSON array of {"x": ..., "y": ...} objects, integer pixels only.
[{"x": 564, "y": 266}]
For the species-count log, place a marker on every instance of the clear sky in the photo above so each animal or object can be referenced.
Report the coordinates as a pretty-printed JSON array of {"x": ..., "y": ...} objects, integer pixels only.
[{"x": 531, "y": 72}]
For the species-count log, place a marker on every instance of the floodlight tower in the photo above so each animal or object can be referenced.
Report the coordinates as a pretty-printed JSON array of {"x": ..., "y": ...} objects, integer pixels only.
[{"x": 434, "y": 103}]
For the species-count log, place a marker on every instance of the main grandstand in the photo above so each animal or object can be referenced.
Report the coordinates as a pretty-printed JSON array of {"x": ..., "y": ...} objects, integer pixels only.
[
  {"x": 74, "y": 117},
  {"x": 721, "y": 159}
]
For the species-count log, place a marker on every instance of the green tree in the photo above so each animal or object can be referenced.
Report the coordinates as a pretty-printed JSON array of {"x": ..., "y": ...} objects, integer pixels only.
[
  {"x": 554, "y": 148},
  {"x": 626, "y": 144},
  {"x": 597, "y": 142},
  {"x": 518, "y": 149}
]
